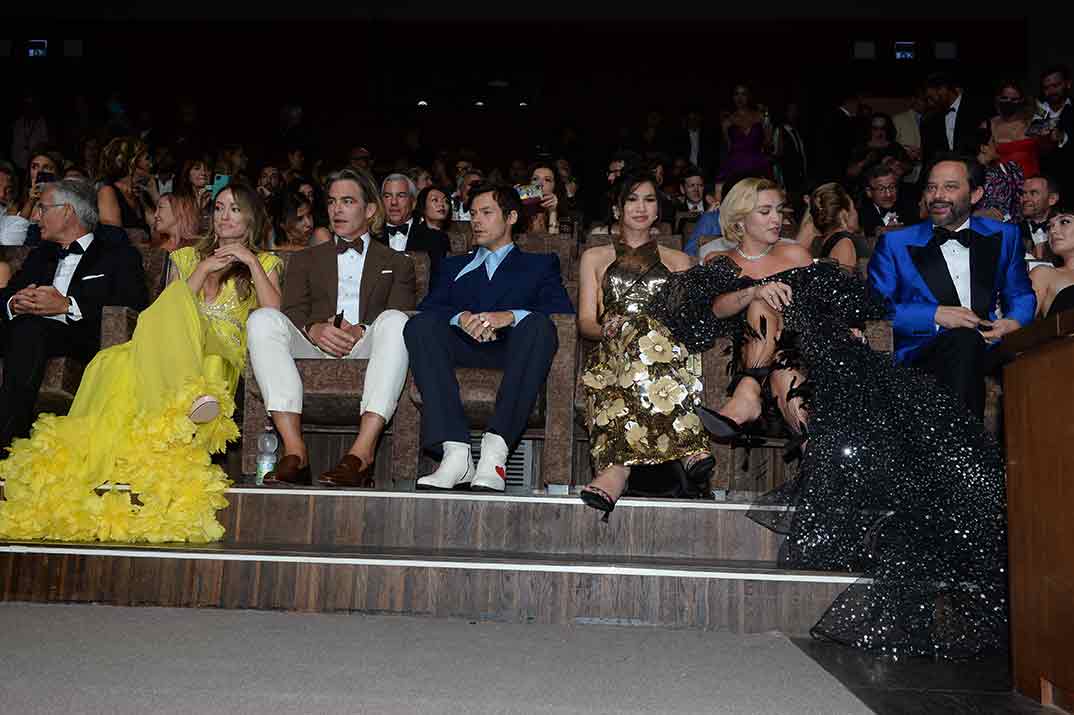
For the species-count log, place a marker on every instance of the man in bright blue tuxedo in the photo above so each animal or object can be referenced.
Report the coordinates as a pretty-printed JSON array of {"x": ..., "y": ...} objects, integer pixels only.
[
  {"x": 487, "y": 309},
  {"x": 957, "y": 284}
]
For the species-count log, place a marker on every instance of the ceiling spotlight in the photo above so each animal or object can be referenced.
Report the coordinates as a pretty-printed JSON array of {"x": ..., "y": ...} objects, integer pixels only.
[
  {"x": 479, "y": 103},
  {"x": 523, "y": 104},
  {"x": 422, "y": 103}
]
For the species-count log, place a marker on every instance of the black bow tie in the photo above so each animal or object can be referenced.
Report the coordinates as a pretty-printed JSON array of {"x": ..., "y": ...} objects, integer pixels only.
[
  {"x": 402, "y": 228},
  {"x": 942, "y": 236},
  {"x": 951, "y": 110},
  {"x": 1042, "y": 226},
  {"x": 75, "y": 249}
]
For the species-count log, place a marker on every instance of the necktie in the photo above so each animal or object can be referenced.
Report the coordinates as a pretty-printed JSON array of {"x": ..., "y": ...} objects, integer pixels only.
[
  {"x": 942, "y": 236},
  {"x": 401, "y": 228},
  {"x": 75, "y": 249},
  {"x": 343, "y": 245}
]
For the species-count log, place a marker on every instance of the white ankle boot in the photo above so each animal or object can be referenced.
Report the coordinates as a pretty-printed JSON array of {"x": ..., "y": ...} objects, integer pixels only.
[
  {"x": 456, "y": 469},
  {"x": 491, "y": 474}
]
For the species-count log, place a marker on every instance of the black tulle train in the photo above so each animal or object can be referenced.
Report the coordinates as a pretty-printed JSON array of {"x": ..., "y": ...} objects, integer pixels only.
[{"x": 898, "y": 481}]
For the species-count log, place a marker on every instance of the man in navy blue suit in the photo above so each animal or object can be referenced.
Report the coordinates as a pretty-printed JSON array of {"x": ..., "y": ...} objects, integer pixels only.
[
  {"x": 487, "y": 309},
  {"x": 949, "y": 279}
]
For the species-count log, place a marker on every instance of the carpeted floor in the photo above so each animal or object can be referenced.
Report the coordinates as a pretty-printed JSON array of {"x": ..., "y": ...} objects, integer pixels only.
[{"x": 100, "y": 659}]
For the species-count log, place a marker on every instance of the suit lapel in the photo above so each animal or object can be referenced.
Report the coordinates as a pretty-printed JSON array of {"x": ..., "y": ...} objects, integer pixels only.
[
  {"x": 88, "y": 258},
  {"x": 503, "y": 279},
  {"x": 326, "y": 269},
  {"x": 930, "y": 263},
  {"x": 984, "y": 255},
  {"x": 374, "y": 262}
]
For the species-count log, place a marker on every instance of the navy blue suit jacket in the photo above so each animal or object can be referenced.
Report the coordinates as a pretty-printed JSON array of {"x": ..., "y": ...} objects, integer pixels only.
[
  {"x": 908, "y": 268},
  {"x": 523, "y": 281}
]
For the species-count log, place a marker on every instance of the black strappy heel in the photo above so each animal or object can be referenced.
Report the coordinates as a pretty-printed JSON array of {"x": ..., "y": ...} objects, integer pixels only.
[
  {"x": 598, "y": 499},
  {"x": 725, "y": 430}
]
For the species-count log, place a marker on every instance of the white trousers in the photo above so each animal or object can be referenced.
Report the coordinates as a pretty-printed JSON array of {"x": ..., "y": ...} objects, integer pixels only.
[{"x": 275, "y": 343}]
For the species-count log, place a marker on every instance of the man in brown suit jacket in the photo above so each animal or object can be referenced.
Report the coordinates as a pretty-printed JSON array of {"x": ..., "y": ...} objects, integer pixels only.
[{"x": 341, "y": 299}]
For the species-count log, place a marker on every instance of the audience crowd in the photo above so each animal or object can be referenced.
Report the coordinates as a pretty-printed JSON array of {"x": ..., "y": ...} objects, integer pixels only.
[{"x": 860, "y": 175}]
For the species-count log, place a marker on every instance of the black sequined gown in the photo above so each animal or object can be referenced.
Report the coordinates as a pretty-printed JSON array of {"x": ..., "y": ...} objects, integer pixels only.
[{"x": 897, "y": 480}]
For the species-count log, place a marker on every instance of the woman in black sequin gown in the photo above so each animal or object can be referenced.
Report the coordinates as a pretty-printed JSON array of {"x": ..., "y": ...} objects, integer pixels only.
[{"x": 897, "y": 480}]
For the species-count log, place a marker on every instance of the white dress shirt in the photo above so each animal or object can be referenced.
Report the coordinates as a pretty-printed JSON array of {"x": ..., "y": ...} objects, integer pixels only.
[
  {"x": 350, "y": 265},
  {"x": 887, "y": 216},
  {"x": 695, "y": 145},
  {"x": 1040, "y": 235},
  {"x": 397, "y": 241},
  {"x": 958, "y": 265},
  {"x": 691, "y": 206},
  {"x": 950, "y": 119},
  {"x": 61, "y": 281}
]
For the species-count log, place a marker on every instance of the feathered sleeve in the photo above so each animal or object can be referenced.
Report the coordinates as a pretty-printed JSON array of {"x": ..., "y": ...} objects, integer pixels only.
[
  {"x": 684, "y": 304},
  {"x": 833, "y": 291}
]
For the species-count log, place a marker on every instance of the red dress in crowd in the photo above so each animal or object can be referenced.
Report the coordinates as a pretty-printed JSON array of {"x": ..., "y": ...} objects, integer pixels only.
[{"x": 1025, "y": 152}]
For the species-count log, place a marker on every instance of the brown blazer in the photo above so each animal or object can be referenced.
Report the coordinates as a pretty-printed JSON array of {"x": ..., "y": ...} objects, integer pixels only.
[{"x": 312, "y": 281}]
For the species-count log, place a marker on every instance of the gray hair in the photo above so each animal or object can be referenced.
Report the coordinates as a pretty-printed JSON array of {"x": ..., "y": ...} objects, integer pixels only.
[
  {"x": 81, "y": 196},
  {"x": 411, "y": 188}
]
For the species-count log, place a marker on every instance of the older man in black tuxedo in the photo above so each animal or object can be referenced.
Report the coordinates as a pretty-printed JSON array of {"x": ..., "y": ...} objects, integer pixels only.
[
  {"x": 52, "y": 306},
  {"x": 402, "y": 232}
]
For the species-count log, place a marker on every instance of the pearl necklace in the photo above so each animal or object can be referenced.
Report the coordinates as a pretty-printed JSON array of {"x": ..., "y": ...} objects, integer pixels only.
[{"x": 759, "y": 256}]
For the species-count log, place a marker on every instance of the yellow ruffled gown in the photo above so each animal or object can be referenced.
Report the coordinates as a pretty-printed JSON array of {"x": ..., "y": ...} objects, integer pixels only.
[{"x": 128, "y": 425}]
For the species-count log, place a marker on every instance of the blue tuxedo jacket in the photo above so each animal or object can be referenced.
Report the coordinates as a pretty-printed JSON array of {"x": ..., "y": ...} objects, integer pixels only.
[
  {"x": 909, "y": 269},
  {"x": 523, "y": 281}
]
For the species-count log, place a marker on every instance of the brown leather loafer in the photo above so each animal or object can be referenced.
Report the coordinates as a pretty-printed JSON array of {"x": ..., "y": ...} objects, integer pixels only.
[
  {"x": 350, "y": 472},
  {"x": 289, "y": 472}
]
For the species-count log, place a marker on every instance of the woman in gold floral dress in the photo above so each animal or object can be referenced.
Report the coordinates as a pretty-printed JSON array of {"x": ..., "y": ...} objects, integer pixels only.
[{"x": 641, "y": 386}]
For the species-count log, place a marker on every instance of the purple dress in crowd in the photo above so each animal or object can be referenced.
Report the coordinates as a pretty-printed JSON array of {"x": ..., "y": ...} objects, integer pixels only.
[{"x": 745, "y": 153}]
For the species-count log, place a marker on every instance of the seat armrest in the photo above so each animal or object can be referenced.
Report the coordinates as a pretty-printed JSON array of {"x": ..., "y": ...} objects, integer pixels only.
[{"x": 117, "y": 325}]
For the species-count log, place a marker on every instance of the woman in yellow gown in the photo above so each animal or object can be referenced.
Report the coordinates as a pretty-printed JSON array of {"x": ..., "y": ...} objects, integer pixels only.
[{"x": 150, "y": 412}]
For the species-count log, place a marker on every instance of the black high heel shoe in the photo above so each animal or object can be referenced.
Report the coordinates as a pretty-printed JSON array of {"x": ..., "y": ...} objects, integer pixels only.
[
  {"x": 723, "y": 430},
  {"x": 598, "y": 499}
]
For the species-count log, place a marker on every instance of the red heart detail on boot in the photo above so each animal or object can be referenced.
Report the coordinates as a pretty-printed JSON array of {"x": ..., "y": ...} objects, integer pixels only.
[{"x": 502, "y": 472}]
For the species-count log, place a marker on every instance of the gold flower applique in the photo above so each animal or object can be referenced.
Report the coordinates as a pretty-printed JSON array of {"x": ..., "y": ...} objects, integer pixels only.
[
  {"x": 633, "y": 372},
  {"x": 598, "y": 379},
  {"x": 662, "y": 443},
  {"x": 611, "y": 411},
  {"x": 636, "y": 434},
  {"x": 687, "y": 423},
  {"x": 655, "y": 348},
  {"x": 666, "y": 394}
]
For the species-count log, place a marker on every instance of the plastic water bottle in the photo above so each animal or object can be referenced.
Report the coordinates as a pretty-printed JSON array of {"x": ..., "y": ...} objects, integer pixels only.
[{"x": 267, "y": 444}]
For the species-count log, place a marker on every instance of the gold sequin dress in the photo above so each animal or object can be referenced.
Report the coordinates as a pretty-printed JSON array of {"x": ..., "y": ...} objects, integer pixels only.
[
  {"x": 128, "y": 426},
  {"x": 641, "y": 386}
]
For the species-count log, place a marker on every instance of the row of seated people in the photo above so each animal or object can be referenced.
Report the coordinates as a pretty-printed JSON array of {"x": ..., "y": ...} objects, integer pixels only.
[
  {"x": 876, "y": 437},
  {"x": 367, "y": 290}
]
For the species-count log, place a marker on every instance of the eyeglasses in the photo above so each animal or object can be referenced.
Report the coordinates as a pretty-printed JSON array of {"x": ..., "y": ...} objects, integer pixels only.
[
  {"x": 42, "y": 208},
  {"x": 885, "y": 189}
]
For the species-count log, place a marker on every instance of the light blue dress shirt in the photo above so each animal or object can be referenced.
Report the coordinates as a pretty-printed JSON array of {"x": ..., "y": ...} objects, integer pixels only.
[
  {"x": 707, "y": 225},
  {"x": 491, "y": 261}
]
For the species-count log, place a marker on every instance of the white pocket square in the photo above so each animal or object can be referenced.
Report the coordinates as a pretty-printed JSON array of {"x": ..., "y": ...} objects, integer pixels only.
[
  {"x": 89, "y": 278},
  {"x": 383, "y": 272}
]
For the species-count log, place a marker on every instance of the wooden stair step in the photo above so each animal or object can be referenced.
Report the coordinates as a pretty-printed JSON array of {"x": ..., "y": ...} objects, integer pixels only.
[
  {"x": 744, "y": 596},
  {"x": 675, "y": 528}
]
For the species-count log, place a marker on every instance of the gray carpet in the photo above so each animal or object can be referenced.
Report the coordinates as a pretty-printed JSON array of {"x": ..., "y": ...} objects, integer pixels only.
[{"x": 100, "y": 659}]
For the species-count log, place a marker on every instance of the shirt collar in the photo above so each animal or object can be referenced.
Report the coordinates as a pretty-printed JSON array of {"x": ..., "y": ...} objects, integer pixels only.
[
  {"x": 85, "y": 241},
  {"x": 957, "y": 103},
  {"x": 497, "y": 256},
  {"x": 964, "y": 226}
]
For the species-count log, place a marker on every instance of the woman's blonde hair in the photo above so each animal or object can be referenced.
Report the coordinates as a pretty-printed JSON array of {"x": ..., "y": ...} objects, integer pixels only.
[
  {"x": 739, "y": 202},
  {"x": 119, "y": 157},
  {"x": 255, "y": 238},
  {"x": 187, "y": 218}
]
